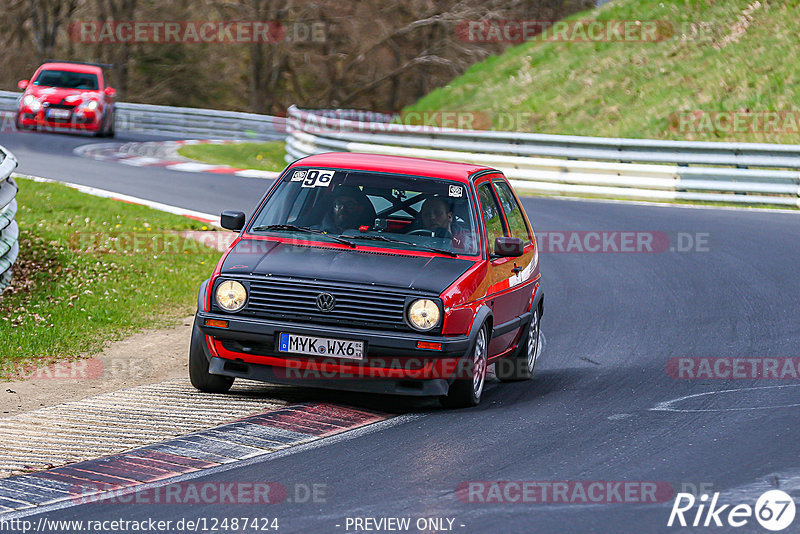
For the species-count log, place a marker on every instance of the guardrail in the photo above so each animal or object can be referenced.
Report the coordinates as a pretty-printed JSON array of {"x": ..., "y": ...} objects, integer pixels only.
[
  {"x": 9, "y": 231},
  {"x": 570, "y": 165},
  {"x": 182, "y": 122}
]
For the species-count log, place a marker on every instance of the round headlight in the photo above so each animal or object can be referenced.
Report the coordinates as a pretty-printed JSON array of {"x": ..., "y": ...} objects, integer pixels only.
[
  {"x": 92, "y": 105},
  {"x": 423, "y": 314},
  {"x": 231, "y": 295}
]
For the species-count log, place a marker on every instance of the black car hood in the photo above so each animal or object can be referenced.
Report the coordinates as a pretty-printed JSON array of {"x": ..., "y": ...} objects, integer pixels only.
[{"x": 260, "y": 257}]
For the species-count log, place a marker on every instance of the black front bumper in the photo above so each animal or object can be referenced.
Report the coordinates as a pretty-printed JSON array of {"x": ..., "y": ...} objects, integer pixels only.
[
  {"x": 379, "y": 342},
  {"x": 257, "y": 337}
]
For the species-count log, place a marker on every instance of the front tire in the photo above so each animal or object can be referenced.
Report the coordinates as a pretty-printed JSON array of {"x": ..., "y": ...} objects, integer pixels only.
[
  {"x": 467, "y": 392},
  {"x": 520, "y": 365},
  {"x": 18, "y": 124},
  {"x": 103, "y": 129},
  {"x": 198, "y": 368},
  {"x": 110, "y": 132}
]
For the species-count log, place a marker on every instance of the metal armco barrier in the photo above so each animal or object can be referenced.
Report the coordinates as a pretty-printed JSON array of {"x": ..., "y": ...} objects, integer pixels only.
[
  {"x": 746, "y": 173},
  {"x": 180, "y": 122},
  {"x": 9, "y": 232}
]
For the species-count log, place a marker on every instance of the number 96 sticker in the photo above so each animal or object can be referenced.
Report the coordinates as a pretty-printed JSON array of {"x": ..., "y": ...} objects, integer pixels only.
[{"x": 313, "y": 177}]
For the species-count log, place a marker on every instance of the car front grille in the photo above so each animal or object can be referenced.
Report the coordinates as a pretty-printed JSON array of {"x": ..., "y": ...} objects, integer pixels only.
[{"x": 297, "y": 300}]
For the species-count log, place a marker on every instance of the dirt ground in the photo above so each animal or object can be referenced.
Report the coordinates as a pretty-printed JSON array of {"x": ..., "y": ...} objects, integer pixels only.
[{"x": 144, "y": 358}]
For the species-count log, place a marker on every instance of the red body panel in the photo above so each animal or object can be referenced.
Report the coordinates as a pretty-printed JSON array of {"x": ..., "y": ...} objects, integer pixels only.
[{"x": 393, "y": 164}]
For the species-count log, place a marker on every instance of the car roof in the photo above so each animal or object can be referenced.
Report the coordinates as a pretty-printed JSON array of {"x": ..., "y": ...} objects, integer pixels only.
[
  {"x": 394, "y": 164},
  {"x": 72, "y": 67}
]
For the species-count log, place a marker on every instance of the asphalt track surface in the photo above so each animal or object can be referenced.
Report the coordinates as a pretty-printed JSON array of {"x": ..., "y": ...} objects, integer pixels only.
[
  {"x": 612, "y": 321},
  {"x": 50, "y": 155}
]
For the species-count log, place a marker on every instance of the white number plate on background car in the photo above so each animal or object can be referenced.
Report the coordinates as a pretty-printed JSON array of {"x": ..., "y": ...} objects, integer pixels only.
[
  {"x": 58, "y": 113},
  {"x": 321, "y": 346}
]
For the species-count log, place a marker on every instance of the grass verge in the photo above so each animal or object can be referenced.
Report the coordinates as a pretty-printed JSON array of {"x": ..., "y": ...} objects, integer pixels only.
[
  {"x": 723, "y": 57},
  {"x": 92, "y": 270},
  {"x": 260, "y": 156}
]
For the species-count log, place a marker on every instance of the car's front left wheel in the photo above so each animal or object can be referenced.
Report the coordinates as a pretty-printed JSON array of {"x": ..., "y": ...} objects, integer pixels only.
[
  {"x": 110, "y": 125},
  {"x": 18, "y": 123},
  {"x": 198, "y": 367},
  {"x": 467, "y": 391}
]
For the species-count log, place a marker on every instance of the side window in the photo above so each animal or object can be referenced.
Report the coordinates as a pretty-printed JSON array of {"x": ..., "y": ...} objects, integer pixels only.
[
  {"x": 491, "y": 214},
  {"x": 516, "y": 220}
]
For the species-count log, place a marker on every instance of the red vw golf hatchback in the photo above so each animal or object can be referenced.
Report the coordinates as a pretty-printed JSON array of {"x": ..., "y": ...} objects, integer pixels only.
[
  {"x": 67, "y": 95},
  {"x": 374, "y": 273}
]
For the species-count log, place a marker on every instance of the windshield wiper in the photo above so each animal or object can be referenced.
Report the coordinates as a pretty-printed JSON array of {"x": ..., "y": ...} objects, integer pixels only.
[
  {"x": 401, "y": 242},
  {"x": 293, "y": 228}
]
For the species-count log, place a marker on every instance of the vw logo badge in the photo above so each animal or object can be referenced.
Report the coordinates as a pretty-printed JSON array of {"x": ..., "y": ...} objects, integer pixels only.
[{"x": 325, "y": 302}]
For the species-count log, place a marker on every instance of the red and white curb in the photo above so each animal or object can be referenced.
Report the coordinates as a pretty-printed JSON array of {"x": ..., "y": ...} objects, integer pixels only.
[
  {"x": 197, "y": 215},
  {"x": 164, "y": 462},
  {"x": 164, "y": 154}
]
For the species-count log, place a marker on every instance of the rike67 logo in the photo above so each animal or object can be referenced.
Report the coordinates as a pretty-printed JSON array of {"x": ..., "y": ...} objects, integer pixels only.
[{"x": 774, "y": 510}]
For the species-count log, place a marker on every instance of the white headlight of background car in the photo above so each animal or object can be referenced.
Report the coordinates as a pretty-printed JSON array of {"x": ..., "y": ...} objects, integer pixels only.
[
  {"x": 32, "y": 102},
  {"x": 91, "y": 106},
  {"x": 423, "y": 314},
  {"x": 231, "y": 295}
]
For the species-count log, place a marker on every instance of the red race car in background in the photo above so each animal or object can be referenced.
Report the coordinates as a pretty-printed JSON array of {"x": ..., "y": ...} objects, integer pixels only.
[{"x": 67, "y": 95}]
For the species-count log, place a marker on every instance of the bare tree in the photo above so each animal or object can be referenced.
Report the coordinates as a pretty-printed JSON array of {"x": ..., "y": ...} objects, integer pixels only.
[
  {"x": 47, "y": 17},
  {"x": 119, "y": 54},
  {"x": 373, "y": 54},
  {"x": 268, "y": 62}
]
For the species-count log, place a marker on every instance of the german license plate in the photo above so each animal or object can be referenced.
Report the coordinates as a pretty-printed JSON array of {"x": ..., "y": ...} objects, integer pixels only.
[
  {"x": 58, "y": 113},
  {"x": 321, "y": 346}
]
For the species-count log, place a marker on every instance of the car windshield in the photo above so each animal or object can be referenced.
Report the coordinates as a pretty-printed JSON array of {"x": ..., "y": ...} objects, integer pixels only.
[
  {"x": 372, "y": 209},
  {"x": 67, "y": 79}
]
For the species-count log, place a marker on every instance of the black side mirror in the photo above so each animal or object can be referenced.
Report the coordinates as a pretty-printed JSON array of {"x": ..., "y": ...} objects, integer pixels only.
[
  {"x": 508, "y": 247},
  {"x": 232, "y": 220}
]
